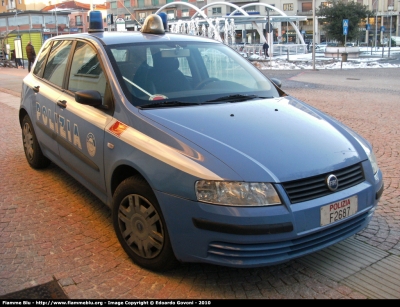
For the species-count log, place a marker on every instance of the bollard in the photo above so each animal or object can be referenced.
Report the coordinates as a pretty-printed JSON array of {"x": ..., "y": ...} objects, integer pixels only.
[
  {"x": 287, "y": 54},
  {"x": 383, "y": 51}
]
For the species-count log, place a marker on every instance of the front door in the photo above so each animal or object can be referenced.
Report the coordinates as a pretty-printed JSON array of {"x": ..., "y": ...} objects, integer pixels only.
[{"x": 81, "y": 135}]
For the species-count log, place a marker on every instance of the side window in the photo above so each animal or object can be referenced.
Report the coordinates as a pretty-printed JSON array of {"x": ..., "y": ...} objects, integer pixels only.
[
  {"x": 149, "y": 57},
  {"x": 86, "y": 71},
  {"x": 184, "y": 66},
  {"x": 41, "y": 59},
  {"x": 120, "y": 55},
  {"x": 58, "y": 58},
  {"x": 220, "y": 66},
  {"x": 183, "y": 62}
]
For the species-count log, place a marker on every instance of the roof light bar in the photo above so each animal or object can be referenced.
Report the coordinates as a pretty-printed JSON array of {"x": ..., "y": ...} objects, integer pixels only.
[
  {"x": 153, "y": 24},
  {"x": 95, "y": 22},
  {"x": 164, "y": 19}
]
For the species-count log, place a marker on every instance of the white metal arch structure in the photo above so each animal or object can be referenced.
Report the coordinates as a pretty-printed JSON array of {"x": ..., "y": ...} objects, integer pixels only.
[
  {"x": 198, "y": 11},
  {"x": 222, "y": 3},
  {"x": 237, "y": 8},
  {"x": 186, "y": 4},
  {"x": 277, "y": 10},
  {"x": 210, "y": 23}
]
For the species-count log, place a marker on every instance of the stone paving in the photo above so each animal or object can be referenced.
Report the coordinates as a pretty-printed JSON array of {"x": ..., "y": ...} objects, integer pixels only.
[
  {"x": 374, "y": 113},
  {"x": 52, "y": 228}
]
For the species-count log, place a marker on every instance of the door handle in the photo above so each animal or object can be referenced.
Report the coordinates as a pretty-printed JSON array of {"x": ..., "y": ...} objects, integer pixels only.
[
  {"x": 36, "y": 88},
  {"x": 62, "y": 103}
]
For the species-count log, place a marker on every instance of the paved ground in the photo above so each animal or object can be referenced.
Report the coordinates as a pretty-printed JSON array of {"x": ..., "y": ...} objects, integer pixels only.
[{"x": 52, "y": 228}]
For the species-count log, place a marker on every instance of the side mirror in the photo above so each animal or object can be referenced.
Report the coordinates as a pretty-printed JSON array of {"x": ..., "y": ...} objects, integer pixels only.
[
  {"x": 89, "y": 97},
  {"x": 277, "y": 82}
]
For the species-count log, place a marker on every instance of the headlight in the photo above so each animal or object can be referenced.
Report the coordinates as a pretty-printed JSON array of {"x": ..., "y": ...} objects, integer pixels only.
[
  {"x": 231, "y": 193},
  {"x": 372, "y": 159},
  {"x": 368, "y": 151}
]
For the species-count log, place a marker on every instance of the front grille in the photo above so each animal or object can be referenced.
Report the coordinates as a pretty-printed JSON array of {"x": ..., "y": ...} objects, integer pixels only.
[{"x": 315, "y": 187}]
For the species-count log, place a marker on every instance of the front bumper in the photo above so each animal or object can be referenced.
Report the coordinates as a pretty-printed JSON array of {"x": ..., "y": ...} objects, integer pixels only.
[{"x": 261, "y": 236}]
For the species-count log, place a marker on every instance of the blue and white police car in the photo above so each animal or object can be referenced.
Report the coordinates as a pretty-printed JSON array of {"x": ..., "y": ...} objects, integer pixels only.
[{"x": 200, "y": 157}]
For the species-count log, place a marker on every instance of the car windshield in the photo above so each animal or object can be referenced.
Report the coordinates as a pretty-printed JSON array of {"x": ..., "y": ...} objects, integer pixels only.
[{"x": 187, "y": 72}]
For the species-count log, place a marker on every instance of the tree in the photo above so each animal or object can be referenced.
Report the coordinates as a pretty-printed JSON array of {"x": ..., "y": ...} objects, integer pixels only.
[{"x": 334, "y": 15}]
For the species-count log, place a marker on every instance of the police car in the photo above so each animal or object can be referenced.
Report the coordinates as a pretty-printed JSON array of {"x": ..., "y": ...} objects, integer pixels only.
[{"x": 199, "y": 159}]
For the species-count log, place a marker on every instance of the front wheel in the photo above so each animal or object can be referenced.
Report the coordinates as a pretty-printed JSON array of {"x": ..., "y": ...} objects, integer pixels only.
[
  {"x": 33, "y": 153},
  {"x": 140, "y": 226}
]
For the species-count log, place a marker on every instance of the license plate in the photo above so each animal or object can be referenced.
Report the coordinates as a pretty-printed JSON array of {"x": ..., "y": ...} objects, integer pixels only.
[{"x": 339, "y": 210}]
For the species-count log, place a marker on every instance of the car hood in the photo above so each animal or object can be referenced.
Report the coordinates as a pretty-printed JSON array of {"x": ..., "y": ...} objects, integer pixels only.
[{"x": 276, "y": 140}]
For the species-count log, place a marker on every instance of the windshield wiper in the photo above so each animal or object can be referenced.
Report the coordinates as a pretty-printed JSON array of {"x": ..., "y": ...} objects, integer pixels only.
[
  {"x": 163, "y": 104},
  {"x": 237, "y": 98}
]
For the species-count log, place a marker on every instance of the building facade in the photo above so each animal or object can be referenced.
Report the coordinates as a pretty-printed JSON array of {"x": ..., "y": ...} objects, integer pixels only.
[
  {"x": 59, "y": 17},
  {"x": 49, "y": 18},
  {"x": 37, "y": 22},
  {"x": 385, "y": 20},
  {"x": 133, "y": 12}
]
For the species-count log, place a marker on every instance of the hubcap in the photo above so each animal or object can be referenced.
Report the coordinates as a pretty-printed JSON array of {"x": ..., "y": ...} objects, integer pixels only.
[
  {"x": 28, "y": 141},
  {"x": 141, "y": 226}
]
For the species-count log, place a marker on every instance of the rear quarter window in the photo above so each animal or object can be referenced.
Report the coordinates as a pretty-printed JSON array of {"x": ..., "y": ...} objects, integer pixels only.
[{"x": 41, "y": 61}]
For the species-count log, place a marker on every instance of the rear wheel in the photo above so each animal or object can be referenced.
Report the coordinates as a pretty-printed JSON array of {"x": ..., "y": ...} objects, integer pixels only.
[
  {"x": 33, "y": 153},
  {"x": 140, "y": 226}
]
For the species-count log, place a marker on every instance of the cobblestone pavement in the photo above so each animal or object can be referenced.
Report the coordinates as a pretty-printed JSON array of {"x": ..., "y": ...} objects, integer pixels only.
[{"x": 52, "y": 228}]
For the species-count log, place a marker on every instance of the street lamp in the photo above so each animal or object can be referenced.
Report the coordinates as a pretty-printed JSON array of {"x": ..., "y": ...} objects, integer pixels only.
[
  {"x": 376, "y": 23},
  {"x": 16, "y": 20},
  {"x": 390, "y": 9},
  {"x": 313, "y": 33},
  {"x": 55, "y": 5},
  {"x": 56, "y": 19}
]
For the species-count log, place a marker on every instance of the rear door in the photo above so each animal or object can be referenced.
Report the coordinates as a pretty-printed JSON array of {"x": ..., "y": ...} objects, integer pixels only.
[{"x": 50, "y": 70}]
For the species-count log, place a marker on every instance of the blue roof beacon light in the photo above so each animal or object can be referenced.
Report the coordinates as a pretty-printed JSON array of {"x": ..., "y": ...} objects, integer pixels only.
[
  {"x": 153, "y": 24},
  {"x": 95, "y": 22},
  {"x": 164, "y": 20}
]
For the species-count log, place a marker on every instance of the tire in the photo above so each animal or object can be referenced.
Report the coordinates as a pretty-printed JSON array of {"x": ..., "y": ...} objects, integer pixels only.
[
  {"x": 140, "y": 226},
  {"x": 33, "y": 153}
]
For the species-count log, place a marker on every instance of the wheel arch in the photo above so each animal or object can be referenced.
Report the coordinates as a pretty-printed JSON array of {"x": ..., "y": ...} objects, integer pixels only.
[
  {"x": 123, "y": 172},
  {"x": 21, "y": 115}
]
